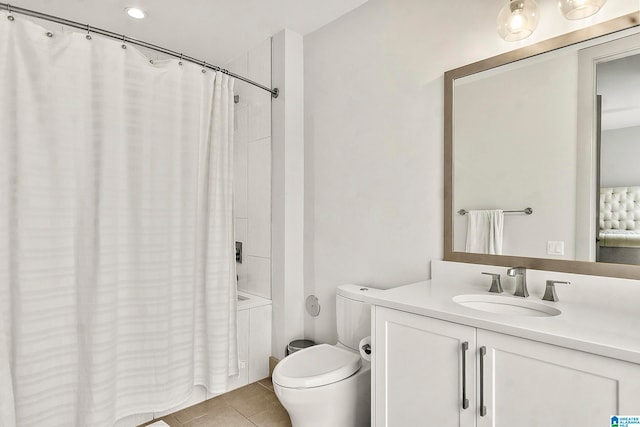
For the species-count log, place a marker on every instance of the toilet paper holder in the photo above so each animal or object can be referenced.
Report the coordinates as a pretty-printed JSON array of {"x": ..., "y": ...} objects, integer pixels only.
[
  {"x": 364, "y": 348},
  {"x": 367, "y": 348}
]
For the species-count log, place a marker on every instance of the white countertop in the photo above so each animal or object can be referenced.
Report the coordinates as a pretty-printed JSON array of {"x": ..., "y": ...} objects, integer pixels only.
[{"x": 587, "y": 328}]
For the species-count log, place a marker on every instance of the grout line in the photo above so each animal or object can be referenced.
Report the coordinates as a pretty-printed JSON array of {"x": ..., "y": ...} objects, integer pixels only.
[
  {"x": 259, "y": 139},
  {"x": 265, "y": 387},
  {"x": 242, "y": 415},
  {"x": 192, "y": 419},
  {"x": 258, "y": 256}
]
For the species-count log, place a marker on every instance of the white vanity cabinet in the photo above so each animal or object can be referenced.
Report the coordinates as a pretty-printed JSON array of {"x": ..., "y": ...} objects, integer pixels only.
[
  {"x": 529, "y": 383},
  {"x": 417, "y": 374},
  {"x": 418, "y": 378}
]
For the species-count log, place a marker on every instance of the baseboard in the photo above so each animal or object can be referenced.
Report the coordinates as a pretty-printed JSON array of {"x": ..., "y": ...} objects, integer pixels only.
[{"x": 272, "y": 364}]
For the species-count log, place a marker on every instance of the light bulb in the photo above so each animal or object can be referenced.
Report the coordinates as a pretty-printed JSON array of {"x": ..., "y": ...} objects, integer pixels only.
[
  {"x": 517, "y": 19},
  {"x": 578, "y": 9},
  {"x": 136, "y": 13}
]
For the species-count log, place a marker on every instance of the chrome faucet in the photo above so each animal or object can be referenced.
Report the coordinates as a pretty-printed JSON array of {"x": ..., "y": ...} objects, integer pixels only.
[{"x": 520, "y": 273}]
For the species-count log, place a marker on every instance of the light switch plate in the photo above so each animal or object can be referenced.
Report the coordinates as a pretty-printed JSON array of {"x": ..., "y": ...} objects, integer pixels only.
[{"x": 555, "y": 247}]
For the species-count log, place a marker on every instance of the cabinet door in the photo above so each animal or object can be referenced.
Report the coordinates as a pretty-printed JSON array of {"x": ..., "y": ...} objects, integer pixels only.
[
  {"x": 528, "y": 383},
  {"x": 418, "y": 371}
]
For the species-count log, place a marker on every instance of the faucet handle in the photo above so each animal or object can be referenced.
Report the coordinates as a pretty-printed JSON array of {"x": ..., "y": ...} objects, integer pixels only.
[
  {"x": 496, "y": 286},
  {"x": 550, "y": 290}
]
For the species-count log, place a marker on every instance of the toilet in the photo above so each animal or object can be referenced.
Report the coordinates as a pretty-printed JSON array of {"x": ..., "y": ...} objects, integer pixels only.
[{"x": 330, "y": 385}]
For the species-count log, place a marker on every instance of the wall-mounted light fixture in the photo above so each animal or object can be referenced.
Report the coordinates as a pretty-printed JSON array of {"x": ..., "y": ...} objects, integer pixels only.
[
  {"x": 519, "y": 18},
  {"x": 578, "y": 9}
]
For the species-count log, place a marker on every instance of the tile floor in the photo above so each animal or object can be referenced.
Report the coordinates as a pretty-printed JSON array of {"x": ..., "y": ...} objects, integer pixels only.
[{"x": 252, "y": 405}]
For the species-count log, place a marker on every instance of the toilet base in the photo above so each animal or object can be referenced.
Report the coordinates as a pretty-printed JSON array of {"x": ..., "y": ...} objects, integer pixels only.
[{"x": 346, "y": 403}]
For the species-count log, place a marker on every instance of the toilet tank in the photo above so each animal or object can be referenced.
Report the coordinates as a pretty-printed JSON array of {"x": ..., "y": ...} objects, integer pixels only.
[{"x": 353, "y": 315}]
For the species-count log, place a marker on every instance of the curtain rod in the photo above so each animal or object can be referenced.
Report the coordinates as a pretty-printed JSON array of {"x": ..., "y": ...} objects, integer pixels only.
[{"x": 13, "y": 9}]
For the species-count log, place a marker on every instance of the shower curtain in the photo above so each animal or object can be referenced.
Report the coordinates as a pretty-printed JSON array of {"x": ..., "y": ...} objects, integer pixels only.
[{"x": 117, "y": 267}]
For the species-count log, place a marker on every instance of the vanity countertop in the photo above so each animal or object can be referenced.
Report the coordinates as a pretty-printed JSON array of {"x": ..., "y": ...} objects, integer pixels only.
[{"x": 605, "y": 332}]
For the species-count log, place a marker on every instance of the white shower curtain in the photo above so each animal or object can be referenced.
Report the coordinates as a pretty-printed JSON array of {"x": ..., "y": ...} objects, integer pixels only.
[{"x": 117, "y": 268}]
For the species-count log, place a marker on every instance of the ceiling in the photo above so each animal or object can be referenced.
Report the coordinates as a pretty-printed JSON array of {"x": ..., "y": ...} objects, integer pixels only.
[{"x": 213, "y": 30}]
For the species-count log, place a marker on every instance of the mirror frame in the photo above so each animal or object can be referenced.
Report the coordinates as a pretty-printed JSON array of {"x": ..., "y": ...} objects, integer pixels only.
[{"x": 568, "y": 266}]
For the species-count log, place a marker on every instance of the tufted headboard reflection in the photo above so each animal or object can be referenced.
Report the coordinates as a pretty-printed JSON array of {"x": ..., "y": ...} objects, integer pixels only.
[{"x": 620, "y": 208}]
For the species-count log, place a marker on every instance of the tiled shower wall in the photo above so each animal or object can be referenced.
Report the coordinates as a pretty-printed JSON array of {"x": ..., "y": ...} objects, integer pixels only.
[{"x": 252, "y": 193}]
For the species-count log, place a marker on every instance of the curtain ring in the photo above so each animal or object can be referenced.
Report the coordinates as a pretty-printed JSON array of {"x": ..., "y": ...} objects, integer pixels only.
[
  {"x": 10, "y": 17},
  {"x": 124, "y": 41},
  {"x": 204, "y": 67},
  {"x": 180, "y": 62},
  {"x": 88, "y": 36}
]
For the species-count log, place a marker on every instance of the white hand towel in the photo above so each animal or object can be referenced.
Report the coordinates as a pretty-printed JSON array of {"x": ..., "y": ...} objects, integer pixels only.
[{"x": 484, "y": 231}]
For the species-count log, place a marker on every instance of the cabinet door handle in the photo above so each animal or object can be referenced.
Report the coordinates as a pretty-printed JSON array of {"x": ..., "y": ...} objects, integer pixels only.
[
  {"x": 465, "y": 401},
  {"x": 483, "y": 408}
]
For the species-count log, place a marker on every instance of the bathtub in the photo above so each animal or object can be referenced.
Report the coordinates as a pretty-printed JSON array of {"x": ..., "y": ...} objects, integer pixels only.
[
  {"x": 254, "y": 339},
  {"x": 248, "y": 301}
]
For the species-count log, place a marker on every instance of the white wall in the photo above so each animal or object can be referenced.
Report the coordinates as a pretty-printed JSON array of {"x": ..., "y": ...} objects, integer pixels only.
[
  {"x": 252, "y": 166},
  {"x": 619, "y": 154},
  {"x": 374, "y": 138},
  {"x": 288, "y": 191}
]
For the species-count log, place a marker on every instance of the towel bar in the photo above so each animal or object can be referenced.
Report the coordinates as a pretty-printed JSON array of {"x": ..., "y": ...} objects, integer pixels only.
[{"x": 527, "y": 211}]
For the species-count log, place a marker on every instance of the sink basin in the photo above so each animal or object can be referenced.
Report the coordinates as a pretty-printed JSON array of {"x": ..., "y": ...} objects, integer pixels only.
[{"x": 513, "y": 306}]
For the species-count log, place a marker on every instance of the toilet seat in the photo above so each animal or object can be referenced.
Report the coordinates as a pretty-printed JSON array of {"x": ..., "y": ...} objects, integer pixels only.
[{"x": 316, "y": 366}]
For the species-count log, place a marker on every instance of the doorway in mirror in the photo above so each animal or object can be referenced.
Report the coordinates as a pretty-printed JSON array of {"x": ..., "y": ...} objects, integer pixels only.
[{"x": 618, "y": 166}]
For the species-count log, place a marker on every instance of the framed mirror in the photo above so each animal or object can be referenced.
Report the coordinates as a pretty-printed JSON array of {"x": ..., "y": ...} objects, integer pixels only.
[{"x": 527, "y": 146}]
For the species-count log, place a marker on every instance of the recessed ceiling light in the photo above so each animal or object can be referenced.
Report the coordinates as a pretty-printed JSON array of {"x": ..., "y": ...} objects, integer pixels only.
[{"x": 136, "y": 13}]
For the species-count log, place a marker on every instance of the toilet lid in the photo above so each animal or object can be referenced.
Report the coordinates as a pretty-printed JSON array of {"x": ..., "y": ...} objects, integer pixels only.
[{"x": 316, "y": 366}]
